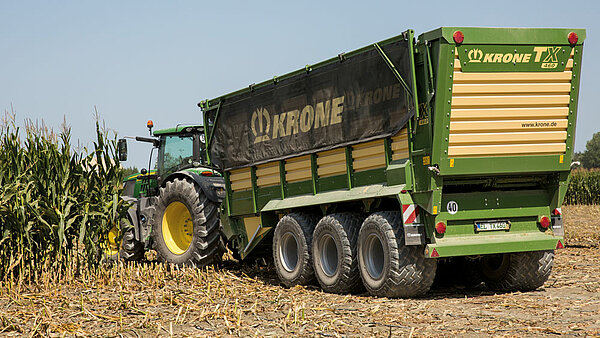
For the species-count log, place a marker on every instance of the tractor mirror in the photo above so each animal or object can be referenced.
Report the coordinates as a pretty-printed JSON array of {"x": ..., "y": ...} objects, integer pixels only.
[{"x": 122, "y": 149}]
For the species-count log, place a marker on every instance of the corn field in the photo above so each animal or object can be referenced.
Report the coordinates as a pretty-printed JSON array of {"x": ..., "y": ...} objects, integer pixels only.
[
  {"x": 56, "y": 203},
  {"x": 584, "y": 187}
]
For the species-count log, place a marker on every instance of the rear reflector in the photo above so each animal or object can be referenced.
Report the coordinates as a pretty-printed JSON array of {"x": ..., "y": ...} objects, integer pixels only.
[
  {"x": 434, "y": 253},
  {"x": 440, "y": 228},
  {"x": 459, "y": 37},
  {"x": 544, "y": 221},
  {"x": 207, "y": 173},
  {"x": 573, "y": 38},
  {"x": 559, "y": 245}
]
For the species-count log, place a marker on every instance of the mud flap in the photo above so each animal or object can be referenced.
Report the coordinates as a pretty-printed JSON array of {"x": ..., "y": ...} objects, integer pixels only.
[
  {"x": 414, "y": 230},
  {"x": 557, "y": 225},
  {"x": 414, "y": 234}
]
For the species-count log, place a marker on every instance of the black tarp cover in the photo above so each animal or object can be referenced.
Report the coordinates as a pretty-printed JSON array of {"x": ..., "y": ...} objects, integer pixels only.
[{"x": 341, "y": 103}]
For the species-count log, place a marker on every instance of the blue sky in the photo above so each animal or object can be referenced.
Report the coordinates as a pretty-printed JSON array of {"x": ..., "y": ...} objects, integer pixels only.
[{"x": 140, "y": 60}]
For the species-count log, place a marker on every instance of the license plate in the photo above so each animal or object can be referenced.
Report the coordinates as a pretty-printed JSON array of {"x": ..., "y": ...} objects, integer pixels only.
[{"x": 492, "y": 225}]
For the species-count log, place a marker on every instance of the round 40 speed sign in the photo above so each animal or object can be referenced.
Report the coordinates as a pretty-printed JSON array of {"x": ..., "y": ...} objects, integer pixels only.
[{"x": 452, "y": 207}]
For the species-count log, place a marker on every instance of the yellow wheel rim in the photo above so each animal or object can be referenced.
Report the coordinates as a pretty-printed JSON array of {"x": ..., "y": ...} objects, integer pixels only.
[
  {"x": 111, "y": 247},
  {"x": 177, "y": 228}
]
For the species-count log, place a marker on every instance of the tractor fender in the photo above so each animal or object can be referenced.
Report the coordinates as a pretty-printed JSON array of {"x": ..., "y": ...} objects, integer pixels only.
[{"x": 212, "y": 186}]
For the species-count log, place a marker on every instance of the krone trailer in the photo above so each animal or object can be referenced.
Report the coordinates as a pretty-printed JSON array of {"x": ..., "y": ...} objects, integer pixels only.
[{"x": 367, "y": 169}]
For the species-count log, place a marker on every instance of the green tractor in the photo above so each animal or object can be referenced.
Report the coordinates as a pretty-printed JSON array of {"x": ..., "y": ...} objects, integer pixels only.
[{"x": 175, "y": 208}]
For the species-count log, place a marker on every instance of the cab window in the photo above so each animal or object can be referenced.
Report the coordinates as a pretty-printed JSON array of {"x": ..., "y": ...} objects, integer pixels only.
[{"x": 176, "y": 152}]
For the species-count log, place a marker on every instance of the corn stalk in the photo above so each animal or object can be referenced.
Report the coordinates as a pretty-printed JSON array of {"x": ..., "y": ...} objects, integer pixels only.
[{"x": 56, "y": 204}]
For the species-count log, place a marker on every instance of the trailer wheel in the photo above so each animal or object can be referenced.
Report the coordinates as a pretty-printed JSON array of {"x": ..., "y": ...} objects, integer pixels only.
[
  {"x": 186, "y": 226},
  {"x": 335, "y": 252},
  {"x": 292, "y": 246},
  {"x": 520, "y": 271},
  {"x": 388, "y": 268},
  {"x": 127, "y": 248}
]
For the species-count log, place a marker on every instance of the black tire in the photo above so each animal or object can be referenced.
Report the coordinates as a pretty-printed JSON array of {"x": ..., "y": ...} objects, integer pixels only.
[
  {"x": 388, "y": 268},
  {"x": 186, "y": 226},
  {"x": 131, "y": 249},
  {"x": 292, "y": 246},
  {"x": 520, "y": 271},
  {"x": 127, "y": 248},
  {"x": 335, "y": 251}
]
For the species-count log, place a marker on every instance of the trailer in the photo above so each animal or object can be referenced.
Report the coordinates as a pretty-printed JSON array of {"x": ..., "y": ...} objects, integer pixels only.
[{"x": 376, "y": 164}]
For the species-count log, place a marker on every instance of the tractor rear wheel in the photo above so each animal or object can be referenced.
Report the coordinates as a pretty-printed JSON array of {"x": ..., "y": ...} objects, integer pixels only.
[
  {"x": 388, "y": 267},
  {"x": 186, "y": 226}
]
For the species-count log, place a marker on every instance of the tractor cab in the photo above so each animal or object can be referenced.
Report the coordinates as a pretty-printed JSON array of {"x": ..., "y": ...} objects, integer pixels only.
[{"x": 181, "y": 148}]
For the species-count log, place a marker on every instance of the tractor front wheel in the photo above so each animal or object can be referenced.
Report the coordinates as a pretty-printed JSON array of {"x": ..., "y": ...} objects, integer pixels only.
[{"x": 125, "y": 248}]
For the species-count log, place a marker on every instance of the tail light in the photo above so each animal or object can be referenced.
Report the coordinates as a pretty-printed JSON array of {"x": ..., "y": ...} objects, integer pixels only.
[
  {"x": 573, "y": 38},
  {"x": 207, "y": 173},
  {"x": 544, "y": 221},
  {"x": 440, "y": 228},
  {"x": 459, "y": 37}
]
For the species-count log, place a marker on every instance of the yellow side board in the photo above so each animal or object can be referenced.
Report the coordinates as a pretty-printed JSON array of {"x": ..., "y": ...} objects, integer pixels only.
[
  {"x": 365, "y": 156},
  {"x": 507, "y": 138},
  {"x": 539, "y": 77},
  {"x": 508, "y": 125},
  {"x": 509, "y": 113},
  {"x": 400, "y": 145},
  {"x": 241, "y": 179},
  {"x": 368, "y": 155},
  {"x": 267, "y": 175},
  {"x": 298, "y": 169},
  {"x": 507, "y": 149},
  {"x": 331, "y": 162}
]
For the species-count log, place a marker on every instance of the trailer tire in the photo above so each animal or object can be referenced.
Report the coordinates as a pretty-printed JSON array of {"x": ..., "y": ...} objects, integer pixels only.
[
  {"x": 186, "y": 226},
  {"x": 292, "y": 248},
  {"x": 335, "y": 252},
  {"x": 389, "y": 268},
  {"x": 520, "y": 271}
]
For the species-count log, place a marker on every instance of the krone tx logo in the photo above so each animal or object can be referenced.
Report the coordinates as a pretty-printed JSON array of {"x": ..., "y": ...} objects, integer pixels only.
[
  {"x": 261, "y": 115},
  {"x": 547, "y": 56},
  {"x": 475, "y": 55}
]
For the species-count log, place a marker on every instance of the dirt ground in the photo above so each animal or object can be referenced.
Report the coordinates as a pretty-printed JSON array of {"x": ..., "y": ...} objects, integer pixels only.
[{"x": 151, "y": 300}]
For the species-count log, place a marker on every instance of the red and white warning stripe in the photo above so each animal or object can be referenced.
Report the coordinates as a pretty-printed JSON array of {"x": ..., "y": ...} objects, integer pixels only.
[{"x": 410, "y": 213}]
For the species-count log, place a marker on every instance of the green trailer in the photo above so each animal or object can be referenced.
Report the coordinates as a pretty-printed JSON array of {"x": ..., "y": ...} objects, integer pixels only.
[{"x": 379, "y": 163}]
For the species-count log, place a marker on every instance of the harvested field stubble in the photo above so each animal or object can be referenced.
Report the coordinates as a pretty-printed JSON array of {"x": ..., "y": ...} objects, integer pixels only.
[{"x": 245, "y": 300}]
